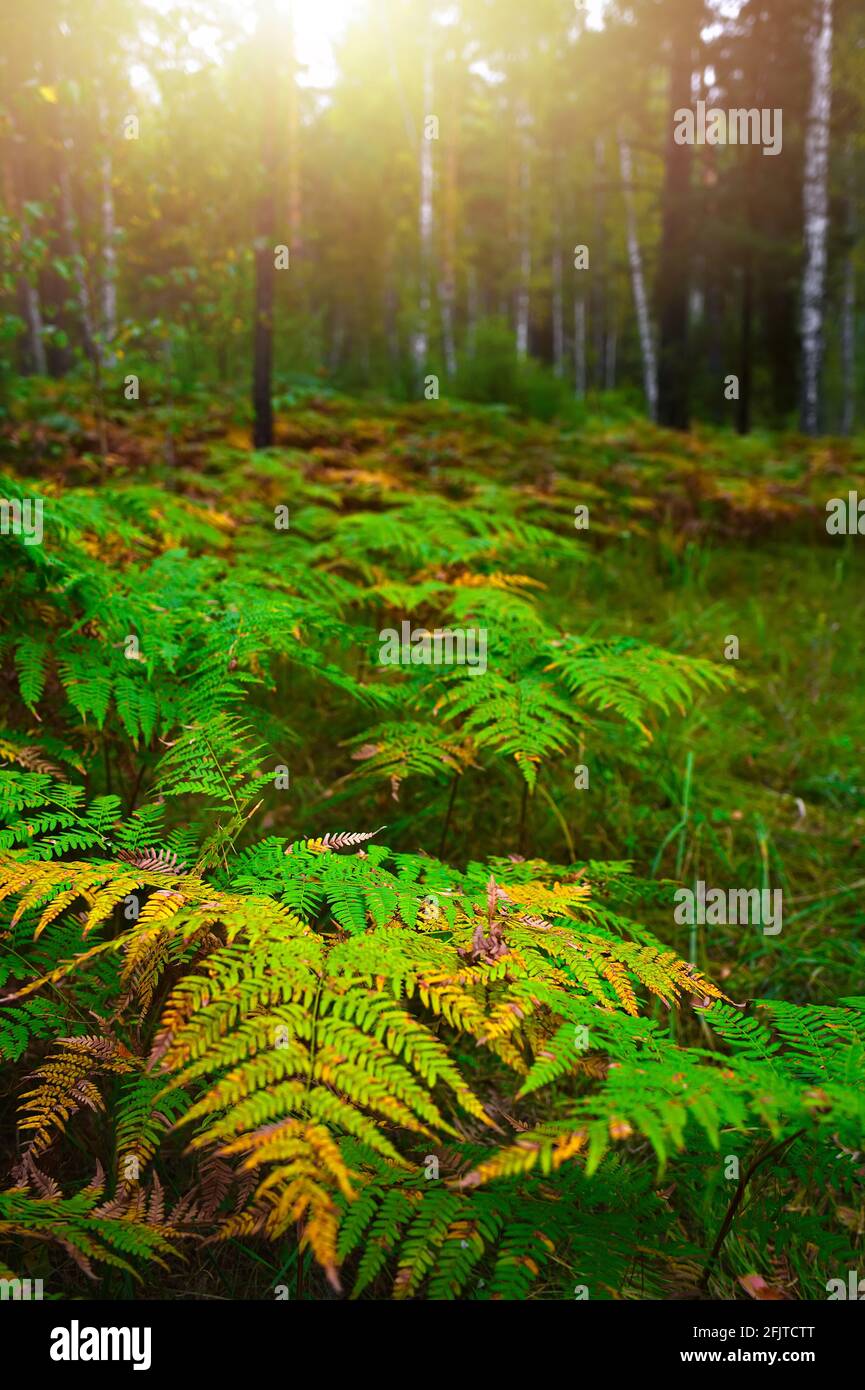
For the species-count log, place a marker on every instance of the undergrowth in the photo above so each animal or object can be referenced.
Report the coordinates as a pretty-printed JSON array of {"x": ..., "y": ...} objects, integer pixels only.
[{"x": 367, "y": 977}]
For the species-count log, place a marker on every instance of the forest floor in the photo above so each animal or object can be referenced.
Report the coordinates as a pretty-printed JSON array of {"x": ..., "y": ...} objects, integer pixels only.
[
  {"x": 687, "y": 541},
  {"x": 708, "y": 545}
]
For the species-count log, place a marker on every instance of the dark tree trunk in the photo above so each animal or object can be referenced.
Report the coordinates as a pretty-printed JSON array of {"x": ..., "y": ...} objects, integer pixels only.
[
  {"x": 597, "y": 300},
  {"x": 782, "y": 341},
  {"x": 673, "y": 359},
  {"x": 743, "y": 413},
  {"x": 848, "y": 302},
  {"x": 746, "y": 319},
  {"x": 262, "y": 368}
]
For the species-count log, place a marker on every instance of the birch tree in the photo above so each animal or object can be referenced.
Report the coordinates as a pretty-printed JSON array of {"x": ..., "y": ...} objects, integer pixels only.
[
  {"x": 293, "y": 141},
  {"x": 674, "y": 366},
  {"x": 447, "y": 280},
  {"x": 420, "y": 345},
  {"x": 638, "y": 282},
  {"x": 524, "y": 233},
  {"x": 600, "y": 259},
  {"x": 816, "y": 213},
  {"x": 109, "y": 233}
]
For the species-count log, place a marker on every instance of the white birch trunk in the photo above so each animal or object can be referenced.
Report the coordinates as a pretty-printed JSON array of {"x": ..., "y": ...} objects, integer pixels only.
[
  {"x": 420, "y": 344},
  {"x": 294, "y": 193},
  {"x": 447, "y": 281},
  {"x": 109, "y": 247},
  {"x": 816, "y": 214},
  {"x": 600, "y": 290},
  {"x": 525, "y": 243},
  {"x": 638, "y": 281}
]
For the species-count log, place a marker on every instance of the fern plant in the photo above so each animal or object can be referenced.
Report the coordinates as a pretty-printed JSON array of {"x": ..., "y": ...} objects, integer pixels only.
[
  {"x": 314, "y": 1040},
  {"x": 492, "y": 1078}
]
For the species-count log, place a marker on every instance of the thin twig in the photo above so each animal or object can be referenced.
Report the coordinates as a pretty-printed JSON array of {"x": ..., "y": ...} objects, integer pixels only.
[{"x": 736, "y": 1201}]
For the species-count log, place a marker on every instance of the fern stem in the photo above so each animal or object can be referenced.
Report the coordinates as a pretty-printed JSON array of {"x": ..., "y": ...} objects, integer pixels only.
[
  {"x": 69, "y": 1003},
  {"x": 298, "y": 1293},
  {"x": 735, "y": 1202},
  {"x": 225, "y": 781},
  {"x": 313, "y": 1042},
  {"x": 560, "y": 818}
]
